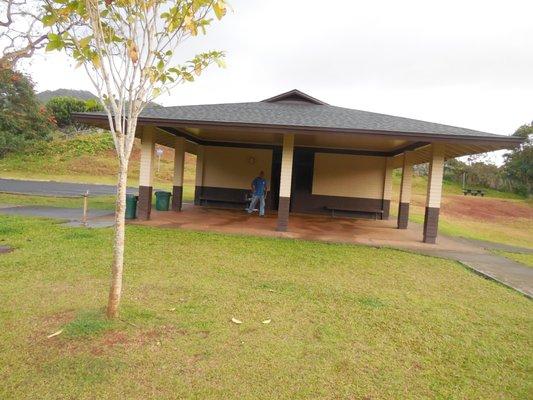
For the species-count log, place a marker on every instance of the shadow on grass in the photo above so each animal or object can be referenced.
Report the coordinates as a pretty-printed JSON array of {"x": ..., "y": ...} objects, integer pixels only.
[{"x": 92, "y": 323}]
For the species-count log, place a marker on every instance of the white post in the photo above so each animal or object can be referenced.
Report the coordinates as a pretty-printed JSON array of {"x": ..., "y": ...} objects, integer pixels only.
[
  {"x": 146, "y": 173},
  {"x": 200, "y": 153},
  {"x": 434, "y": 193},
  {"x": 177, "y": 184},
  {"x": 405, "y": 190},
  {"x": 285, "y": 182},
  {"x": 387, "y": 189}
]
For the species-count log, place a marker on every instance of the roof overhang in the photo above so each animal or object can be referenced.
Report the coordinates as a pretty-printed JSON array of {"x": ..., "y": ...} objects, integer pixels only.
[{"x": 476, "y": 143}]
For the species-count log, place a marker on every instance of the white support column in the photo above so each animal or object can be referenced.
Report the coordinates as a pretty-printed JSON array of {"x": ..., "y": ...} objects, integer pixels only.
[
  {"x": 200, "y": 155},
  {"x": 177, "y": 184},
  {"x": 285, "y": 182},
  {"x": 405, "y": 190},
  {"x": 434, "y": 193},
  {"x": 387, "y": 188},
  {"x": 146, "y": 173}
]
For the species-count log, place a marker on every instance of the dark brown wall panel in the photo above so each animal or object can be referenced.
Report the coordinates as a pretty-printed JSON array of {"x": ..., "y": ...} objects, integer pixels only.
[
  {"x": 177, "y": 197},
  {"x": 403, "y": 215},
  {"x": 144, "y": 205},
  {"x": 431, "y": 224},
  {"x": 283, "y": 213},
  {"x": 386, "y": 209},
  {"x": 227, "y": 197}
]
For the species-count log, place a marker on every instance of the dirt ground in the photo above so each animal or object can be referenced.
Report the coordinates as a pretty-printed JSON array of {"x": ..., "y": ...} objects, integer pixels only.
[{"x": 482, "y": 208}]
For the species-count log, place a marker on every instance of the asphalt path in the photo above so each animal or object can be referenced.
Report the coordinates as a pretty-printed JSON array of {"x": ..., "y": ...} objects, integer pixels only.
[{"x": 51, "y": 188}]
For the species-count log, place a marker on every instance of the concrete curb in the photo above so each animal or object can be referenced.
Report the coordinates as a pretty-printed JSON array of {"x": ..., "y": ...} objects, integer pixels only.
[{"x": 493, "y": 278}]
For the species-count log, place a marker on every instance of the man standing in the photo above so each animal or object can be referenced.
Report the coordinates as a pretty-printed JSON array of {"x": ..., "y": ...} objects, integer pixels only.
[{"x": 259, "y": 189}]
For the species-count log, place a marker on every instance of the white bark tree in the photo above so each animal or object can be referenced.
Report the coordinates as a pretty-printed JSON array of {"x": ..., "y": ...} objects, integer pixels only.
[
  {"x": 127, "y": 49},
  {"x": 21, "y": 31}
]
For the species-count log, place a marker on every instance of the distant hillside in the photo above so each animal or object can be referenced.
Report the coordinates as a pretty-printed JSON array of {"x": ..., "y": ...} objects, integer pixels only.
[{"x": 77, "y": 94}]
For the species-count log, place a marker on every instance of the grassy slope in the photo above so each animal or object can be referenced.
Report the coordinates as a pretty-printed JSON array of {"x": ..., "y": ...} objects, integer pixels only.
[
  {"x": 498, "y": 217},
  {"x": 87, "y": 159},
  {"x": 347, "y": 321}
]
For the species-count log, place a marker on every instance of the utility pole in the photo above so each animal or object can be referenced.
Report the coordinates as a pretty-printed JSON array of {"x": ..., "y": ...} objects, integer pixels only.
[{"x": 159, "y": 153}]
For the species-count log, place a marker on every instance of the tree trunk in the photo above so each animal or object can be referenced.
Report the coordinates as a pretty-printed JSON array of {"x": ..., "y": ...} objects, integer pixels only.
[{"x": 115, "y": 290}]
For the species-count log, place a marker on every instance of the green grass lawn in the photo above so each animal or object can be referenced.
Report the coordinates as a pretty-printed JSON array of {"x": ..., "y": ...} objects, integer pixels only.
[{"x": 346, "y": 321}]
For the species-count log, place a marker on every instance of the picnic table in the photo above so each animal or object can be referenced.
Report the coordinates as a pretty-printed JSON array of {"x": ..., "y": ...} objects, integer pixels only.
[{"x": 474, "y": 192}]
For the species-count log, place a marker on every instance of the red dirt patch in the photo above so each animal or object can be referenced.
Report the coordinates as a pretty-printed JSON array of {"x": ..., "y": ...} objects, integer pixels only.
[
  {"x": 113, "y": 339},
  {"x": 5, "y": 249},
  {"x": 482, "y": 208}
]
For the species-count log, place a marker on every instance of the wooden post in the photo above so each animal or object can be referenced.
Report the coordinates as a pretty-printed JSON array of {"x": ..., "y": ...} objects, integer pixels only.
[{"x": 85, "y": 208}]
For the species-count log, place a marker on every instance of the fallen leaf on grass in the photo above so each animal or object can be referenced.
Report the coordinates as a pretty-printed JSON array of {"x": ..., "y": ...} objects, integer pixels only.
[
  {"x": 55, "y": 334},
  {"x": 235, "y": 320},
  {"x": 172, "y": 309},
  {"x": 266, "y": 321}
]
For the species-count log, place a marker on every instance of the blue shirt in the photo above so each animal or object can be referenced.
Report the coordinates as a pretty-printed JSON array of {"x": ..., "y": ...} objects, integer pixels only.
[{"x": 259, "y": 184}]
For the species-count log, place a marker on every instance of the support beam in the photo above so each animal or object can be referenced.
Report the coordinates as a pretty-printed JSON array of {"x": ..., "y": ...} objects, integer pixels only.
[
  {"x": 199, "y": 174},
  {"x": 405, "y": 190},
  {"x": 177, "y": 184},
  {"x": 285, "y": 182},
  {"x": 433, "y": 200},
  {"x": 146, "y": 174},
  {"x": 387, "y": 189}
]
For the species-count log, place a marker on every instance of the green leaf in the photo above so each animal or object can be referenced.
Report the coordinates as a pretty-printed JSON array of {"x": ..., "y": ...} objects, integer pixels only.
[
  {"x": 52, "y": 37},
  {"x": 85, "y": 41},
  {"x": 49, "y": 20},
  {"x": 220, "y": 9}
]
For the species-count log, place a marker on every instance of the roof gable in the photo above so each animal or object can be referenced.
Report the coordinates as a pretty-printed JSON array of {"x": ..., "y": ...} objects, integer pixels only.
[{"x": 294, "y": 95}]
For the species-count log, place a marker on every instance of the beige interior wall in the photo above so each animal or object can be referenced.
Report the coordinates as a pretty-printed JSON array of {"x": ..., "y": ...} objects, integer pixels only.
[
  {"x": 407, "y": 178},
  {"x": 234, "y": 167},
  {"x": 200, "y": 153},
  {"x": 349, "y": 175},
  {"x": 179, "y": 160},
  {"x": 387, "y": 181}
]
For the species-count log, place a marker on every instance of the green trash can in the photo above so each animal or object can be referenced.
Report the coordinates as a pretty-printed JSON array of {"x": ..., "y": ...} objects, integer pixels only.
[
  {"x": 162, "y": 200},
  {"x": 131, "y": 206}
]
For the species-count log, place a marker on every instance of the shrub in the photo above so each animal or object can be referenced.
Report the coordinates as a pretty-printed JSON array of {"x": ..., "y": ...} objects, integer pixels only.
[{"x": 22, "y": 120}]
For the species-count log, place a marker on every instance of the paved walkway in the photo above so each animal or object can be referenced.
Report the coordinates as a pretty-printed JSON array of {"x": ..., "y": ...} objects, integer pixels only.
[
  {"x": 503, "y": 270},
  {"x": 473, "y": 254},
  {"x": 96, "y": 218},
  {"x": 52, "y": 188}
]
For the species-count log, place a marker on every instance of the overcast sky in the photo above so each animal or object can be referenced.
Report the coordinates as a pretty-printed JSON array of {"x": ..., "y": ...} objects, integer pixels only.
[{"x": 460, "y": 62}]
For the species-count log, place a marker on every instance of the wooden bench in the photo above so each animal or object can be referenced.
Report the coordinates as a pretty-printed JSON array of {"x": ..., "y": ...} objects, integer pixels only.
[
  {"x": 474, "y": 192},
  {"x": 375, "y": 213},
  {"x": 204, "y": 199}
]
